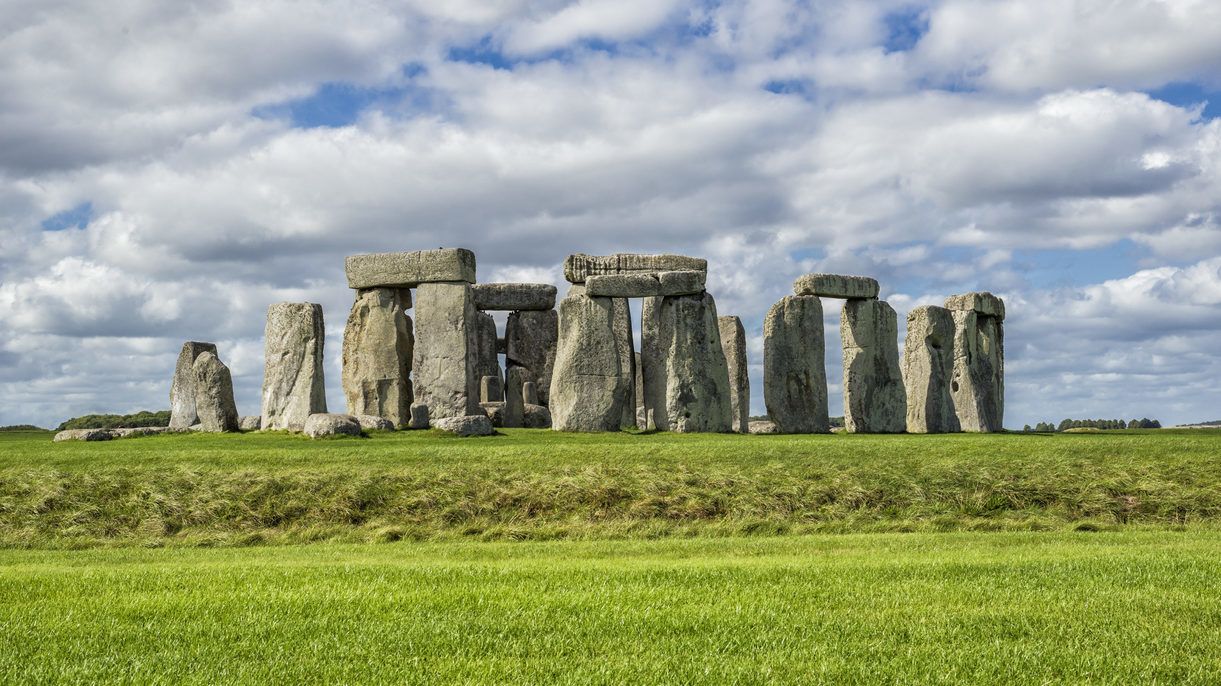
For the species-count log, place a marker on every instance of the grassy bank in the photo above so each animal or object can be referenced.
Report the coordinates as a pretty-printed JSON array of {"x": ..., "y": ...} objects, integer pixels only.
[
  {"x": 1014, "y": 608},
  {"x": 276, "y": 488}
]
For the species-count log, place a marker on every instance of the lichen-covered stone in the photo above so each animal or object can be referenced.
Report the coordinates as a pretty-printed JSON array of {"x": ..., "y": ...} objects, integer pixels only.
[
  {"x": 733, "y": 342},
  {"x": 644, "y": 285},
  {"x": 446, "y": 350},
  {"x": 836, "y": 286},
  {"x": 529, "y": 392},
  {"x": 487, "y": 362},
  {"x": 763, "y": 426},
  {"x": 794, "y": 365},
  {"x": 536, "y": 417},
  {"x": 691, "y": 383},
  {"x": 410, "y": 269},
  {"x": 515, "y": 404},
  {"x": 250, "y": 422},
  {"x": 377, "y": 350},
  {"x": 84, "y": 435},
  {"x": 531, "y": 338},
  {"x": 323, "y": 424},
  {"x": 578, "y": 267},
  {"x": 370, "y": 422},
  {"x": 982, "y": 302},
  {"x": 476, "y": 425},
  {"x": 589, "y": 386},
  {"x": 514, "y": 296},
  {"x": 419, "y": 416},
  {"x": 182, "y": 389},
  {"x": 978, "y": 383},
  {"x": 928, "y": 368},
  {"x": 293, "y": 384},
  {"x": 625, "y": 344},
  {"x": 214, "y": 394},
  {"x": 490, "y": 390},
  {"x": 874, "y": 398}
]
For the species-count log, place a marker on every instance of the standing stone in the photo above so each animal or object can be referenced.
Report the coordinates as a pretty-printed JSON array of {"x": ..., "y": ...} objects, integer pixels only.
[
  {"x": 293, "y": 386},
  {"x": 733, "y": 342},
  {"x": 874, "y": 398},
  {"x": 627, "y": 357},
  {"x": 446, "y": 350},
  {"x": 514, "y": 407},
  {"x": 487, "y": 362},
  {"x": 642, "y": 417},
  {"x": 490, "y": 390},
  {"x": 214, "y": 394},
  {"x": 589, "y": 386},
  {"x": 419, "y": 416},
  {"x": 978, "y": 383},
  {"x": 928, "y": 367},
  {"x": 651, "y": 366},
  {"x": 530, "y": 342},
  {"x": 691, "y": 382},
  {"x": 529, "y": 392},
  {"x": 182, "y": 389},
  {"x": 794, "y": 366},
  {"x": 377, "y": 350}
]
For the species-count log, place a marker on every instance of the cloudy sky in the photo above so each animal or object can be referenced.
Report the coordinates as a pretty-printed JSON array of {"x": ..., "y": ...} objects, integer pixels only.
[{"x": 167, "y": 170}]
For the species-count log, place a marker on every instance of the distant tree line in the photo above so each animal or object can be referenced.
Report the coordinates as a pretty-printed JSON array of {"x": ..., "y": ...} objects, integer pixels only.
[
  {"x": 116, "y": 421},
  {"x": 1048, "y": 427},
  {"x": 22, "y": 427}
]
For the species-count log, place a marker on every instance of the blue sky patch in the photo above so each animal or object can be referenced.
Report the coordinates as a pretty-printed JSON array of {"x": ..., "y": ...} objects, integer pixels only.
[
  {"x": 338, "y": 104},
  {"x": 1187, "y": 94},
  {"x": 75, "y": 218},
  {"x": 905, "y": 28}
]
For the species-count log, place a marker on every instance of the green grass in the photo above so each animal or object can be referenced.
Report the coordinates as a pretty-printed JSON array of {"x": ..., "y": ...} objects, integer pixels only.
[
  {"x": 1014, "y": 608},
  {"x": 219, "y": 490}
]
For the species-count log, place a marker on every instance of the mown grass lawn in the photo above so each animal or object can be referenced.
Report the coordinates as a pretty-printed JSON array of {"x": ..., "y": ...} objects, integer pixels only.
[{"x": 978, "y": 608}]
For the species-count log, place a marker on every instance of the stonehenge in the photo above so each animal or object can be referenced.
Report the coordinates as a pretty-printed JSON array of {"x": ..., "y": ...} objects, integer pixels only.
[{"x": 574, "y": 365}]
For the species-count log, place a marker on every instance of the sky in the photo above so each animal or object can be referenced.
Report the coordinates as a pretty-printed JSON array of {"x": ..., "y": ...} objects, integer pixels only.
[{"x": 168, "y": 170}]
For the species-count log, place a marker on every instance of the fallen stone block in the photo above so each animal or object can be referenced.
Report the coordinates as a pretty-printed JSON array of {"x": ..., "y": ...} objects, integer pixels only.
[
  {"x": 836, "y": 286},
  {"x": 137, "y": 431},
  {"x": 325, "y": 424},
  {"x": 84, "y": 435},
  {"x": 371, "y": 422},
  {"x": 250, "y": 423},
  {"x": 578, "y": 267},
  {"x": 646, "y": 285},
  {"x": 513, "y": 296},
  {"x": 478, "y": 425},
  {"x": 410, "y": 269},
  {"x": 763, "y": 426}
]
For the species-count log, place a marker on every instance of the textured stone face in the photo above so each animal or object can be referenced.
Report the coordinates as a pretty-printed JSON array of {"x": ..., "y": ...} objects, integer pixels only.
[
  {"x": 578, "y": 267},
  {"x": 982, "y": 302},
  {"x": 214, "y": 394},
  {"x": 250, "y": 422},
  {"x": 410, "y": 269},
  {"x": 794, "y": 366},
  {"x": 690, "y": 386},
  {"x": 369, "y": 422},
  {"x": 84, "y": 435},
  {"x": 419, "y": 416},
  {"x": 651, "y": 367},
  {"x": 323, "y": 424},
  {"x": 645, "y": 285},
  {"x": 182, "y": 389},
  {"x": 733, "y": 342},
  {"x": 642, "y": 417},
  {"x": 874, "y": 398},
  {"x": 293, "y": 386},
  {"x": 446, "y": 350},
  {"x": 529, "y": 392},
  {"x": 377, "y": 350},
  {"x": 530, "y": 342},
  {"x": 589, "y": 387},
  {"x": 625, "y": 344},
  {"x": 836, "y": 286},
  {"x": 515, "y": 402},
  {"x": 928, "y": 366},
  {"x": 490, "y": 390},
  {"x": 487, "y": 362},
  {"x": 514, "y": 296},
  {"x": 477, "y": 425},
  {"x": 978, "y": 383}
]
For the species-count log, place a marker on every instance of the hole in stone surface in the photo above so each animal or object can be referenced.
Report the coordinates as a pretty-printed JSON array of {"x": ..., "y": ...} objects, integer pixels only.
[{"x": 954, "y": 386}]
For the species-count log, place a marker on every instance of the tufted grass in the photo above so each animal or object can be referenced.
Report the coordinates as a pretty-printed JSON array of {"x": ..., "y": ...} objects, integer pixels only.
[{"x": 273, "y": 488}]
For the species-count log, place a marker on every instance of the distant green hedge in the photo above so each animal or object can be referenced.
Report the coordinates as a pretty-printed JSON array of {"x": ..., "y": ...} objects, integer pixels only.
[
  {"x": 22, "y": 427},
  {"x": 115, "y": 421}
]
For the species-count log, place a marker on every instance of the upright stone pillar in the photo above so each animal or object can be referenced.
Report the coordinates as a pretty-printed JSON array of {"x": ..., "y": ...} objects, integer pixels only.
[
  {"x": 515, "y": 400},
  {"x": 377, "y": 350},
  {"x": 794, "y": 366},
  {"x": 182, "y": 389},
  {"x": 642, "y": 417},
  {"x": 651, "y": 368},
  {"x": 874, "y": 398},
  {"x": 530, "y": 342},
  {"x": 733, "y": 342},
  {"x": 293, "y": 386},
  {"x": 928, "y": 367},
  {"x": 589, "y": 387},
  {"x": 691, "y": 383},
  {"x": 446, "y": 350},
  {"x": 978, "y": 383},
  {"x": 487, "y": 362},
  {"x": 214, "y": 394},
  {"x": 625, "y": 345}
]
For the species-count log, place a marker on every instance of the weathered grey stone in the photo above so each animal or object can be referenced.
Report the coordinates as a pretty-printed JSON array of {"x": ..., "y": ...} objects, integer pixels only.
[
  {"x": 642, "y": 417},
  {"x": 514, "y": 296},
  {"x": 250, "y": 422},
  {"x": 836, "y": 286},
  {"x": 589, "y": 387},
  {"x": 691, "y": 380},
  {"x": 490, "y": 390},
  {"x": 982, "y": 302},
  {"x": 323, "y": 424},
  {"x": 763, "y": 426},
  {"x": 293, "y": 385},
  {"x": 370, "y": 422},
  {"x": 625, "y": 344},
  {"x": 978, "y": 383},
  {"x": 138, "y": 431},
  {"x": 536, "y": 417},
  {"x": 410, "y": 269},
  {"x": 529, "y": 392},
  {"x": 419, "y": 416},
  {"x": 478, "y": 425},
  {"x": 446, "y": 350},
  {"x": 487, "y": 362},
  {"x": 530, "y": 342},
  {"x": 578, "y": 267},
  {"x": 214, "y": 394},
  {"x": 733, "y": 342},
  {"x": 514, "y": 408},
  {"x": 928, "y": 368},
  {"x": 650, "y": 367},
  {"x": 794, "y": 366},
  {"x": 84, "y": 435},
  {"x": 377, "y": 351},
  {"x": 182, "y": 389},
  {"x": 644, "y": 285},
  {"x": 874, "y": 398}
]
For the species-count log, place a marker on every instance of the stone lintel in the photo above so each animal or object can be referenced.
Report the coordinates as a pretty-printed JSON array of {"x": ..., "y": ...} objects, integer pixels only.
[
  {"x": 410, "y": 269},
  {"x": 510, "y": 297},
  {"x": 645, "y": 285},
  {"x": 837, "y": 286},
  {"x": 579, "y": 267}
]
